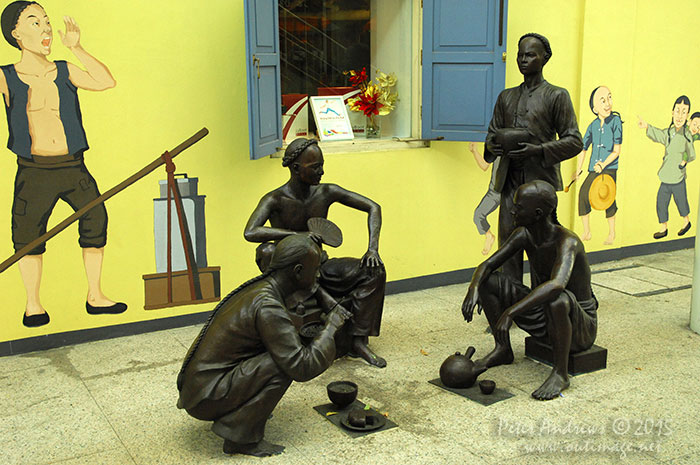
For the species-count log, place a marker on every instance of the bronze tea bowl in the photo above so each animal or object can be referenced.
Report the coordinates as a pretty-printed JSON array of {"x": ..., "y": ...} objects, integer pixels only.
[{"x": 342, "y": 393}]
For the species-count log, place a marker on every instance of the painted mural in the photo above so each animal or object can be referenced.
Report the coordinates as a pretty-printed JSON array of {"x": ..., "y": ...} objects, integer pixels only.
[
  {"x": 489, "y": 202},
  {"x": 677, "y": 140},
  {"x": 47, "y": 135},
  {"x": 599, "y": 161},
  {"x": 603, "y": 138},
  {"x": 169, "y": 87}
]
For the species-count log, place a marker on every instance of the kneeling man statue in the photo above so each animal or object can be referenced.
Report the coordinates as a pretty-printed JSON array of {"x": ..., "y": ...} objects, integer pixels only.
[
  {"x": 249, "y": 351},
  {"x": 560, "y": 309}
]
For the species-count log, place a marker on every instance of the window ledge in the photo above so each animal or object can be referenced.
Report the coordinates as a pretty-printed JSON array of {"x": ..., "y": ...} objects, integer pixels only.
[{"x": 360, "y": 145}]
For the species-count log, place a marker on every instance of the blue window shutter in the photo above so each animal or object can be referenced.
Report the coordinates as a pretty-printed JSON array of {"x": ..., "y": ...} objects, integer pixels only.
[
  {"x": 463, "y": 68},
  {"x": 264, "y": 91}
]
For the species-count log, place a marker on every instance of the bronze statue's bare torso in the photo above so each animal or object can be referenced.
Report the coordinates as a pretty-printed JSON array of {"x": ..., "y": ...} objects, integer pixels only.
[
  {"x": 546, "y": 256},
  {"x": 289, "y": 212}
]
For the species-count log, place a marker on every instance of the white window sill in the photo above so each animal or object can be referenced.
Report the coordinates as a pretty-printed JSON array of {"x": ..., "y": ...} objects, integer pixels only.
[{"x": 360, "y": 145}]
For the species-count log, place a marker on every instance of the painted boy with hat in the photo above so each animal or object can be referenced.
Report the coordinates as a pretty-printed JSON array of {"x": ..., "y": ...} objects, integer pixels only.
[{"x": 603, "y": 137}]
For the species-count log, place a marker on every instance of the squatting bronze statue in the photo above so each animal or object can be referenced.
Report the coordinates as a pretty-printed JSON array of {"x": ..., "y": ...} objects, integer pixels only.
[
  {"x": 560, "y": 309},
  {"x": 249, "y": 351}
]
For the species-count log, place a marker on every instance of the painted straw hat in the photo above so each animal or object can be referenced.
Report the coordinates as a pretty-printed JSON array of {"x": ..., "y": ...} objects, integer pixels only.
[{"x": 602, "y": 192}]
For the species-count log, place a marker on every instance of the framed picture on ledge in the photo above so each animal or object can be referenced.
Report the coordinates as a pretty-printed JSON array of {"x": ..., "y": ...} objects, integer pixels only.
[{"x": 331, "y": 118}]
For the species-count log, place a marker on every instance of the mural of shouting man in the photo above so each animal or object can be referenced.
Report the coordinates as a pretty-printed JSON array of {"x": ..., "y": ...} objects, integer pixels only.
[{"x": 46, "y": 133}]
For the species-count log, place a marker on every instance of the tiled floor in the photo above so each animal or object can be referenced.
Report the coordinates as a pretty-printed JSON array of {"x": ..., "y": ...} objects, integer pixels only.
[{"x": 113, "y": 402}]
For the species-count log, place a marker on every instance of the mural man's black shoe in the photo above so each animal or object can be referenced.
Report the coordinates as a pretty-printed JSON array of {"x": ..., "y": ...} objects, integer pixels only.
[
  {"x": 34, "y": 321},
  {"x": 659, "y": 235},
  {"x": 684, "y": 229},
  {"x": 119, "y": 307}
]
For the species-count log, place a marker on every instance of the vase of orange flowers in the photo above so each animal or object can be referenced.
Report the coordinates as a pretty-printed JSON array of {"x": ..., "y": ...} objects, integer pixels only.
[{"x": 376, "y": 98}]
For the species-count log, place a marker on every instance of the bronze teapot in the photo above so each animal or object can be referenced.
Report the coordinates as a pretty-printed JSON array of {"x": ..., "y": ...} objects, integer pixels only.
[{"x": 459, "y": 371}]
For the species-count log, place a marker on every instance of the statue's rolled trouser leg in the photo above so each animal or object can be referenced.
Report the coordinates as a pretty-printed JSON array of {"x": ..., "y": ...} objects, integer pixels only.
[{"x": 363, "y": 289}]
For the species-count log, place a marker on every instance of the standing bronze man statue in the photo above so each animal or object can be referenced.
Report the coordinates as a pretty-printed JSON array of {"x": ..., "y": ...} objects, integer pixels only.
[
  {"x": 560, "y": 309},
  {"x": 249, "y": 351},
  {"x": 288, "y": 208},
  {"x": 542, "y": 112}
]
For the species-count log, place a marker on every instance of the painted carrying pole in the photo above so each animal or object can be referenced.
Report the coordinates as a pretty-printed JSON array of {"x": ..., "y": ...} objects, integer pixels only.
[{"x": 110, "y": 193}]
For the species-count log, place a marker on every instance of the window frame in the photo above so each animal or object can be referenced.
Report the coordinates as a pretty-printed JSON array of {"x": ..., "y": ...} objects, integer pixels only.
[{"x": 369, "y": 145}]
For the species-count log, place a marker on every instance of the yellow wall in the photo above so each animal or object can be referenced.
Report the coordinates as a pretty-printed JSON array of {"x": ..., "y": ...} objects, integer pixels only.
[{"x": 180, "y": 66}]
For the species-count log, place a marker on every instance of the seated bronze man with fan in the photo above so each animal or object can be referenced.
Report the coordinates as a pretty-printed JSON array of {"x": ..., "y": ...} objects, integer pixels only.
[
  {"x": 357, "y": 284},
  {"x": 560, "y": 309}
]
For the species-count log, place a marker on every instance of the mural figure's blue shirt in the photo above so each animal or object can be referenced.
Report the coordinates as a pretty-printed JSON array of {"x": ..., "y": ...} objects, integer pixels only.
[
  {"x": 20, "y": 140},
  {"x": 601, "y": 139}
]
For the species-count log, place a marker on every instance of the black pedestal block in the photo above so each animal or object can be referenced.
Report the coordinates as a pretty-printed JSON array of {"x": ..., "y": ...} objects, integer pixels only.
[{"x": 593, "y": 359}]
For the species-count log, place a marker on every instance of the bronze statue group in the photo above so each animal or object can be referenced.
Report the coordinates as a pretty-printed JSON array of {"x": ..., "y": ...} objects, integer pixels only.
[{"x": 250, "y": 350}]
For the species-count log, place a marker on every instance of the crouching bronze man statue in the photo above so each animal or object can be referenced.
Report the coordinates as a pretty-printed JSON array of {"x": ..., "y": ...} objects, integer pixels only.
[
  {"x": 360, "y": 282},
  {"x": 560, "y": 309},
  {"x": 249, "y": 351}
]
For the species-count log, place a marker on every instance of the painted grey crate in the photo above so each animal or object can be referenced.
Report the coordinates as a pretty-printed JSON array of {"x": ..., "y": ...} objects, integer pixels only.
[
  {"x": 187, "y": 186},
  {"x": 194, "y": 212}
]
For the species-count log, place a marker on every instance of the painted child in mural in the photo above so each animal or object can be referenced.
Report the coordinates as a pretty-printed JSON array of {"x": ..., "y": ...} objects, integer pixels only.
[
  {"x": 694, "y": 125},
  {"x": 288, "y": 208},
  {"x": 47, "y": 135},
  {"x": 489, "y": 203},
  {"x": 678, "y": 141},
  {"x": 604, "y": 138}
]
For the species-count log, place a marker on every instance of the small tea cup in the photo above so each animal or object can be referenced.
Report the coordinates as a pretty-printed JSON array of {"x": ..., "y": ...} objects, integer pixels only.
[{"x": 487, "y": 386}]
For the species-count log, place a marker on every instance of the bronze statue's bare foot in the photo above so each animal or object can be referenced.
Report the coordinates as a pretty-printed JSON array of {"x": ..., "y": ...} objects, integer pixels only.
[
  {"x": 501, "y": 355},
  {"x": 552, "y": 387},
  {"x": 259, "y": 449},
  {"x": 361, "y": 350}
]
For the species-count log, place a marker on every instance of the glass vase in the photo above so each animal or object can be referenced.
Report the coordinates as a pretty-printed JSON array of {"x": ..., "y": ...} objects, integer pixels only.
[{"x": 373, "y": 128}]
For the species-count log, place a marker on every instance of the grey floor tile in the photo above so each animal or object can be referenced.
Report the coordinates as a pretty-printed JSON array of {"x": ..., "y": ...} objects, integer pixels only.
[
  {"x": 23, "y": 362},
  {"x": 618, "y": 282},
  {"x": 47, "y": 416},
  {"x": 126, "y": 354},
  {"x": 680, "y": 261},
  {"x": 683, "y": 460},
  {"x": 111, "y": 457},
  {"x": 656, "y": 276},
  {"x": 186, "y": 335}
]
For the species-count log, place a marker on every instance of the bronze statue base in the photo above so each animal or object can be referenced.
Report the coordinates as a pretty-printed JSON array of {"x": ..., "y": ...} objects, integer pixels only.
[
  {"x": 475, "y": 394},
  {"x": 593, "y": 359}
]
